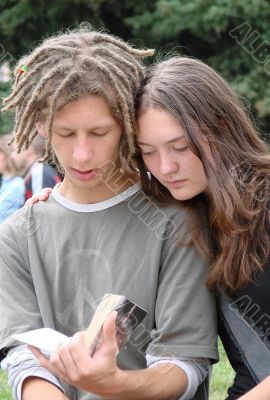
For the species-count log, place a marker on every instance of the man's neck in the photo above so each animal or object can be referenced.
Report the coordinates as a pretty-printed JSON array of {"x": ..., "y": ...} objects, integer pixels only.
[{"x": 100, "y": 192}]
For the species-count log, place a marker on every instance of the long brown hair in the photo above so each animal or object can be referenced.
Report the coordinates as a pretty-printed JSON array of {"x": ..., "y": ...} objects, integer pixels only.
[{"x": 236, "y": 202}]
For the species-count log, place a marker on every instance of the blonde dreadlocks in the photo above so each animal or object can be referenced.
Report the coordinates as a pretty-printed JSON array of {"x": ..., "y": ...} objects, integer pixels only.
[{"x": 69, "y": 66}]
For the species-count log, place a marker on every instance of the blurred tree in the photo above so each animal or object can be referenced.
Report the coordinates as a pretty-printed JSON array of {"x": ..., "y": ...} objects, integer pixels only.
[
  {"x": 6, "y": 120},
  {"x": 233, "y": 36},
  {"x": 24, "y": 22}
]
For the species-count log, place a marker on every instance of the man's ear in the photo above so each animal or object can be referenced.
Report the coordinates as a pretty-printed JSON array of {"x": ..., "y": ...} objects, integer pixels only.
[{"x": 41, "y": 128}]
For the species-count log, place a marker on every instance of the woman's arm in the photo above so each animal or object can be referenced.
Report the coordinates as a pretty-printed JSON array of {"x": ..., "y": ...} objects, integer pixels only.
[{"x": 260, "y": 392}]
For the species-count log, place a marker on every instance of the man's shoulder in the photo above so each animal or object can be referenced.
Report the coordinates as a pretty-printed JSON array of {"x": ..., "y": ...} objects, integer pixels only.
[
  {"x": 29, "y": 218},
  {"x": 141, "y": 200},
  {"x": 159, "y": 218}
]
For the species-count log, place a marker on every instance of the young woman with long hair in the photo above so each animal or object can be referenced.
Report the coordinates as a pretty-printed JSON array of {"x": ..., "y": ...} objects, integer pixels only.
[{"x": 198, "y": 145}]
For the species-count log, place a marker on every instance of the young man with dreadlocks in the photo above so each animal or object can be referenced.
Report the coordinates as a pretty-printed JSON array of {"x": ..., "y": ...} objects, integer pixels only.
[{"x": 97, "y": 233}]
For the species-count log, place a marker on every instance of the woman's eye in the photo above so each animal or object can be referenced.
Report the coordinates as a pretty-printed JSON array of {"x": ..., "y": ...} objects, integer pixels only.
[
  {"x": 147, "y": 153},
  {"x": 180, "y": 148}
]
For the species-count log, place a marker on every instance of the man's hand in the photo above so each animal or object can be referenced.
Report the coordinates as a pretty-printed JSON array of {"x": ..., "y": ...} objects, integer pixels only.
[
  {"x": 71, "y": 363},
  {"x": 100, "y": 375}
]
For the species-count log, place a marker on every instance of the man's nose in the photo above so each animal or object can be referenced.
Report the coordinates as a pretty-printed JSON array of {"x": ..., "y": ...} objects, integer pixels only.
[{"x": 83, "y": 151}]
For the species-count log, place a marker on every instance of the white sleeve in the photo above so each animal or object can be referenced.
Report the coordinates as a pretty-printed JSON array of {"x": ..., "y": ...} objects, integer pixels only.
[
  {"x": 20, "y": 364},
  {"x": 196, "y": 370}
]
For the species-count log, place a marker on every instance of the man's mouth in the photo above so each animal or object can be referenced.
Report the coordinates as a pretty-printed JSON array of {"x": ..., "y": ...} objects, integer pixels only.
[{"x": 84, "y": 175}]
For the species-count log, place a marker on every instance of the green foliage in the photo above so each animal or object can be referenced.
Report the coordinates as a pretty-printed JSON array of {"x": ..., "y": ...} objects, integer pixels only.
[
  {"x": 24, "y": 22},
  {"x": 6, "y": 120},
  {"x": 210, "y": 30},
  {"x": 231, "y": 35}
]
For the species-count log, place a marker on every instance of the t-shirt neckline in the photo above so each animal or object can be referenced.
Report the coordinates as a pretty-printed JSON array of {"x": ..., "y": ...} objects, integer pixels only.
[{"x": 102, "y": 205}]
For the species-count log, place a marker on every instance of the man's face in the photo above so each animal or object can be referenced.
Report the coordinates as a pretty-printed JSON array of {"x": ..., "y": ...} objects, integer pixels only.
[{"x": 85, "y": 138}]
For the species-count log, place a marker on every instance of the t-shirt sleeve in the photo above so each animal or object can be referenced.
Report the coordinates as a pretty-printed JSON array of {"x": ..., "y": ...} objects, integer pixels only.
[
  {"x": 185, "y": 315},
  {"x": 19, "y": 310}
]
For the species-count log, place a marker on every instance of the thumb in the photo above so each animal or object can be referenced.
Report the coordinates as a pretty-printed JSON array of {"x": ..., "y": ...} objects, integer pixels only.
[
  {"x": 109, "y": 328},
  {"x": 109, "y": 334}
]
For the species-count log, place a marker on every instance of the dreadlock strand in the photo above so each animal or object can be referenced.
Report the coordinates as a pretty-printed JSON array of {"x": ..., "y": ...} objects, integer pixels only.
[
  {"x": 29, "y": 128},
  {"x": 32, "y": 72},
  {"x": 35, "y": 96},
  {"x": 125, "y": 111},
  {"x": 113, "y": 55},
  {"x": 45, "y": 50},
  {"x": 118, "y": 87},
  {"x": 52, "y": 111},
  {"x": 122, "y": 45}
]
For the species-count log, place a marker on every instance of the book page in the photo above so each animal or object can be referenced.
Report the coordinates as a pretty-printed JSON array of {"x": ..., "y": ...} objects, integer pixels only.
[{"x": 46, "y": 339}]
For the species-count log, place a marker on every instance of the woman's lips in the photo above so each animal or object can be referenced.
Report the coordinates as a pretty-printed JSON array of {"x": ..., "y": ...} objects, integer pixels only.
[{"x": 176, "y": 183}]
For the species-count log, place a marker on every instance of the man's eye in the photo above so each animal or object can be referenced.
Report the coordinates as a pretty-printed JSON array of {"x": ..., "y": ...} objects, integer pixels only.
[
  {"x": 99, "y": 133},
  {"x": 64, "y": 135}
]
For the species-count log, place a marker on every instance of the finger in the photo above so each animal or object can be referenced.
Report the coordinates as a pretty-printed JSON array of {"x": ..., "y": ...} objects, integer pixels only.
[
  {"x": 44, "y": 194},
  {"x": 46, "y": 363},
  {"x": 109, "y": 346},
  {"x": 40, "y": 196},
  {"x": 66, "y": 362},
  {"x": 32, "y": 200},
  {"x": 77, "y": 350}
]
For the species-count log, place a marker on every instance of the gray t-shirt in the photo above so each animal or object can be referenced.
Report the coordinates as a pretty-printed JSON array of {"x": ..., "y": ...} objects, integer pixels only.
[{"x": 58, "y": 258}]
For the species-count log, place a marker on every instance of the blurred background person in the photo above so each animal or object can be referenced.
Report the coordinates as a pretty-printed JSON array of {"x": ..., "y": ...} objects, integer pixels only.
[
  {"x": 36, "y": 175},
  {"x": 12, "y": 189}
]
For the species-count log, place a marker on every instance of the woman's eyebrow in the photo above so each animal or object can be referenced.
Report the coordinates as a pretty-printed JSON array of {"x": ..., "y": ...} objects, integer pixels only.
[{"x": 169, "y": 141}]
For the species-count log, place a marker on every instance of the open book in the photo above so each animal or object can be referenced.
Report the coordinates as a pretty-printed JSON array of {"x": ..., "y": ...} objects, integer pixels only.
[{"x": 129, "y": 315}]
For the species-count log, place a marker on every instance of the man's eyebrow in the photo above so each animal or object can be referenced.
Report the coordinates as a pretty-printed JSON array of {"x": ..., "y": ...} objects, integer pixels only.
[
  {"x": 94, "y": 128},
  {"x": 169, "y": 141},
  {"x": 63, "y": 128}
]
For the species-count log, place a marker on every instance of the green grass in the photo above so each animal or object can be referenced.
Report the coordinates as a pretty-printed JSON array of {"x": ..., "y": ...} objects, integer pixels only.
[
  {"x": 5, "y": 393},
  {"x": 222, "y": 377}
]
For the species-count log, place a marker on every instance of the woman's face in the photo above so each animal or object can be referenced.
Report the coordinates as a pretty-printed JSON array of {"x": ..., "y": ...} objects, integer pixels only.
[{"x": 167, "y": 156}]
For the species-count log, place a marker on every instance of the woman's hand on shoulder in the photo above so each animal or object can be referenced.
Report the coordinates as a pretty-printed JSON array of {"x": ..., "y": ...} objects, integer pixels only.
[{"x": 43, "y": 195}]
